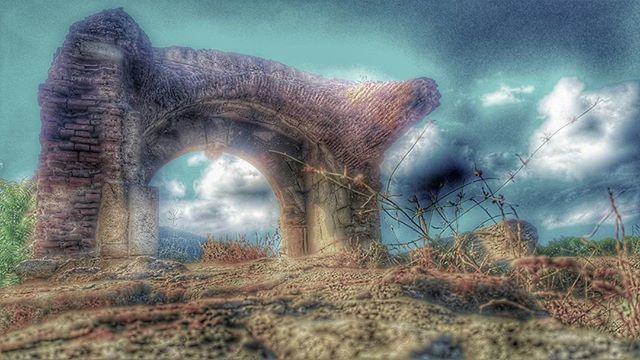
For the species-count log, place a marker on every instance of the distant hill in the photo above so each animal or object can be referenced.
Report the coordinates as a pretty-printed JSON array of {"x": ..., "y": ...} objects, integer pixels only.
[{"x": 180, "y": 245}]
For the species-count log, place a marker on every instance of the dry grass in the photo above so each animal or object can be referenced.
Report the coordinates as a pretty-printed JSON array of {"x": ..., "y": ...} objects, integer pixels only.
[
  {"x": 599, "y": 293},
  {"x": 604, "y": 297},
  {"x": 358, "y": 256},
  {"x": 17, "y": 314},
  {"x": 237, "y": 251}
]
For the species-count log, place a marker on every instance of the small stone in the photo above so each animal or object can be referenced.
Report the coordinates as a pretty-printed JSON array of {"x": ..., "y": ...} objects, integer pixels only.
[
  {"x": 365, "y": 295},
  {"x": 279, "y": 309},
  {"x": 37, "y": 268},
  {"x": 443, "y": 348}
]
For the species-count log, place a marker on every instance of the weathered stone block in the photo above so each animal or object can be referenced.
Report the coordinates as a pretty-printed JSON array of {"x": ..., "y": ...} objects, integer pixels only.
[
  {"x": 82, "y": 127},
  {"x": 84, "y": 140},
  {"x": 37, "y": 268},
  {"x": 64, "y": 156},
  {"x": 82, "y": 147},
  {"x": 89, "y": 211},
  {"x": 79, "y": 181},
  {"x": 143, "y": 220},
  {"x": 83, "y": 133},
  {"x": 89, "y": 157},
  {"x": 67, "y": 146},
  {"x": 114, "y": 250},
  {"x": 114, "y": 217}
]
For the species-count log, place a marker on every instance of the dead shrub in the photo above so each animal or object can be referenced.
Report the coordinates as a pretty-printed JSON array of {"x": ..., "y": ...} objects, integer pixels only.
[
  {"x": 233, "y": 252},
  {"x": 359, "y": 256}
]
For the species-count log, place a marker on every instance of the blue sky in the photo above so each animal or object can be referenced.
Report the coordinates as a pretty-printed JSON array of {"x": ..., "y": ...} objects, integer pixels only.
[{"x": 508, "y": 71}]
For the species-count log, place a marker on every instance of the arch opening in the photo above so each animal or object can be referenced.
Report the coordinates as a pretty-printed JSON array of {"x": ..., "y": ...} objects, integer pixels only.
[
  {"x": 227, "y": 198},
  {"x": 244, "y": 148}
]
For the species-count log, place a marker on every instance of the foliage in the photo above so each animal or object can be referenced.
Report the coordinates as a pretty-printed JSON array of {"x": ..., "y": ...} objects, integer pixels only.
[
  {"x": 575, "y": 246},
  {"x": 17, "y": 218}
]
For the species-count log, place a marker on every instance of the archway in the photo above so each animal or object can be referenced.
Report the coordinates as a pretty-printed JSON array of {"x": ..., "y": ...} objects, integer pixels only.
[
  {"x": 115, "y": 109},
  {"x": 213, "y": 136}
]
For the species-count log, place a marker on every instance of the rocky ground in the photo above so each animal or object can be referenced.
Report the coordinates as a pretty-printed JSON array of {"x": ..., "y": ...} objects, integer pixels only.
[{"x": 282, "y": 309}]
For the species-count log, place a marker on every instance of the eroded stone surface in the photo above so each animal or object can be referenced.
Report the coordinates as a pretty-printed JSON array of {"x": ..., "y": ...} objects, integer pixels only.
[
  {"x": 112, "y": 228},
  {"x": 143, "y": 221},
  {"x": 284, "y": 309},
  {"x": 505, "y": 241}
]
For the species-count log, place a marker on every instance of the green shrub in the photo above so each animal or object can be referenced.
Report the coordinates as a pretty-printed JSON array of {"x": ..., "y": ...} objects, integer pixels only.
[
  {"x": 574, "y": 246},
  {"x": 17, "y": 203}
]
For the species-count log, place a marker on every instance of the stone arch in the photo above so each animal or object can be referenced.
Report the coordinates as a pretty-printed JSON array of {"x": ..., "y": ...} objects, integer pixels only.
[{"x": 114, "y": 109}]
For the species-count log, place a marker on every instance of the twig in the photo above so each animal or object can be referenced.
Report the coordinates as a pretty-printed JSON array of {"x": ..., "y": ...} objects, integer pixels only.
[{"x": 395, "y": 168}]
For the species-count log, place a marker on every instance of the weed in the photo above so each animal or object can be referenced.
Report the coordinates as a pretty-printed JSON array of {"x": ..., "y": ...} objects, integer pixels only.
[
  {"x": 17, "y": 203},
  {"x": 596, "y": 292}
]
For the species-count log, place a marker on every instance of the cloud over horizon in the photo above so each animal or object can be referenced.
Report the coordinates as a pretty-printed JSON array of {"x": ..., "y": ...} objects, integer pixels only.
[
  {"x": 176, "y": 188},
  {"x": 230, "y": 197}
]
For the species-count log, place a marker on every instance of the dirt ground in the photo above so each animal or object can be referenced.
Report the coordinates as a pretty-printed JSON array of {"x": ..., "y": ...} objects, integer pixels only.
[{"x": 282, "y": 309}]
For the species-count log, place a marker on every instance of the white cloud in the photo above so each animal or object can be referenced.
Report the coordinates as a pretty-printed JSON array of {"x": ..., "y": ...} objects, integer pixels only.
[
  {"x": 582, "y": 215},
  {"x": 430, "y": 141},
  {"x": 593, "y": 210},
  {"x": 229, "y": 175},
  {"x": 197, "y": 159},
  {"x": 506, "y": 95},
  {"x": 175, "y": 188},
  {"x": 600, "y": 141},
  {"x": 224, "y": 215},
  {"x": 231, "y": 197}
]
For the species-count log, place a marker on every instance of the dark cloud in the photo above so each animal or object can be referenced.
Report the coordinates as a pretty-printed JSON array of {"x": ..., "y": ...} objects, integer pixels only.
[
  {"x": 563, "y": 189},
  {"x": 475, "y": 35},
  {"x": 470, "y": 37}
]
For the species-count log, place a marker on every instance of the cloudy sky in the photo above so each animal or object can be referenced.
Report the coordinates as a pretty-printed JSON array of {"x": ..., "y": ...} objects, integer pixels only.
[
  {"x": 510, "y": 73},
  {"x": 227, "y": 196}
]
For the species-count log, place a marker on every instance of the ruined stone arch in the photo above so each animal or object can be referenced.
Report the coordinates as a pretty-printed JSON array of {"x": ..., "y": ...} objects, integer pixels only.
[
  {"x": 252, "y": 143},
  {"x": 114, "y": 109}
]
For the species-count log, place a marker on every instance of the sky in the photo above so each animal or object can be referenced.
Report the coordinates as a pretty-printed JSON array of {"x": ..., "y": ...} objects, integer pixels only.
[{"x": 510, "y": 73}]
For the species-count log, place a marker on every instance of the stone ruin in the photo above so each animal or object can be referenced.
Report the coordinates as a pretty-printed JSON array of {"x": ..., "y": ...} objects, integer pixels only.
[{"x": 115, "y": 109}]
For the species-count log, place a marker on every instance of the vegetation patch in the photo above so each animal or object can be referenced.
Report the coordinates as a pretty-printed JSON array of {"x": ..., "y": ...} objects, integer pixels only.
[{"x": 17, "y": 217}]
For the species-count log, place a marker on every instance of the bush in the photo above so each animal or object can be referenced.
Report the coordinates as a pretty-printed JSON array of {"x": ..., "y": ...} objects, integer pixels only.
[
  {"x": 17, "y": 217},
  {"x": 575, "y": 246},
  {"x": 239, "y": 250}
]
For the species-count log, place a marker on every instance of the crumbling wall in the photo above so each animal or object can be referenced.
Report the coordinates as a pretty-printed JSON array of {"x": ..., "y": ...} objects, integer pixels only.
[{"x": 83, "y": 104}]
